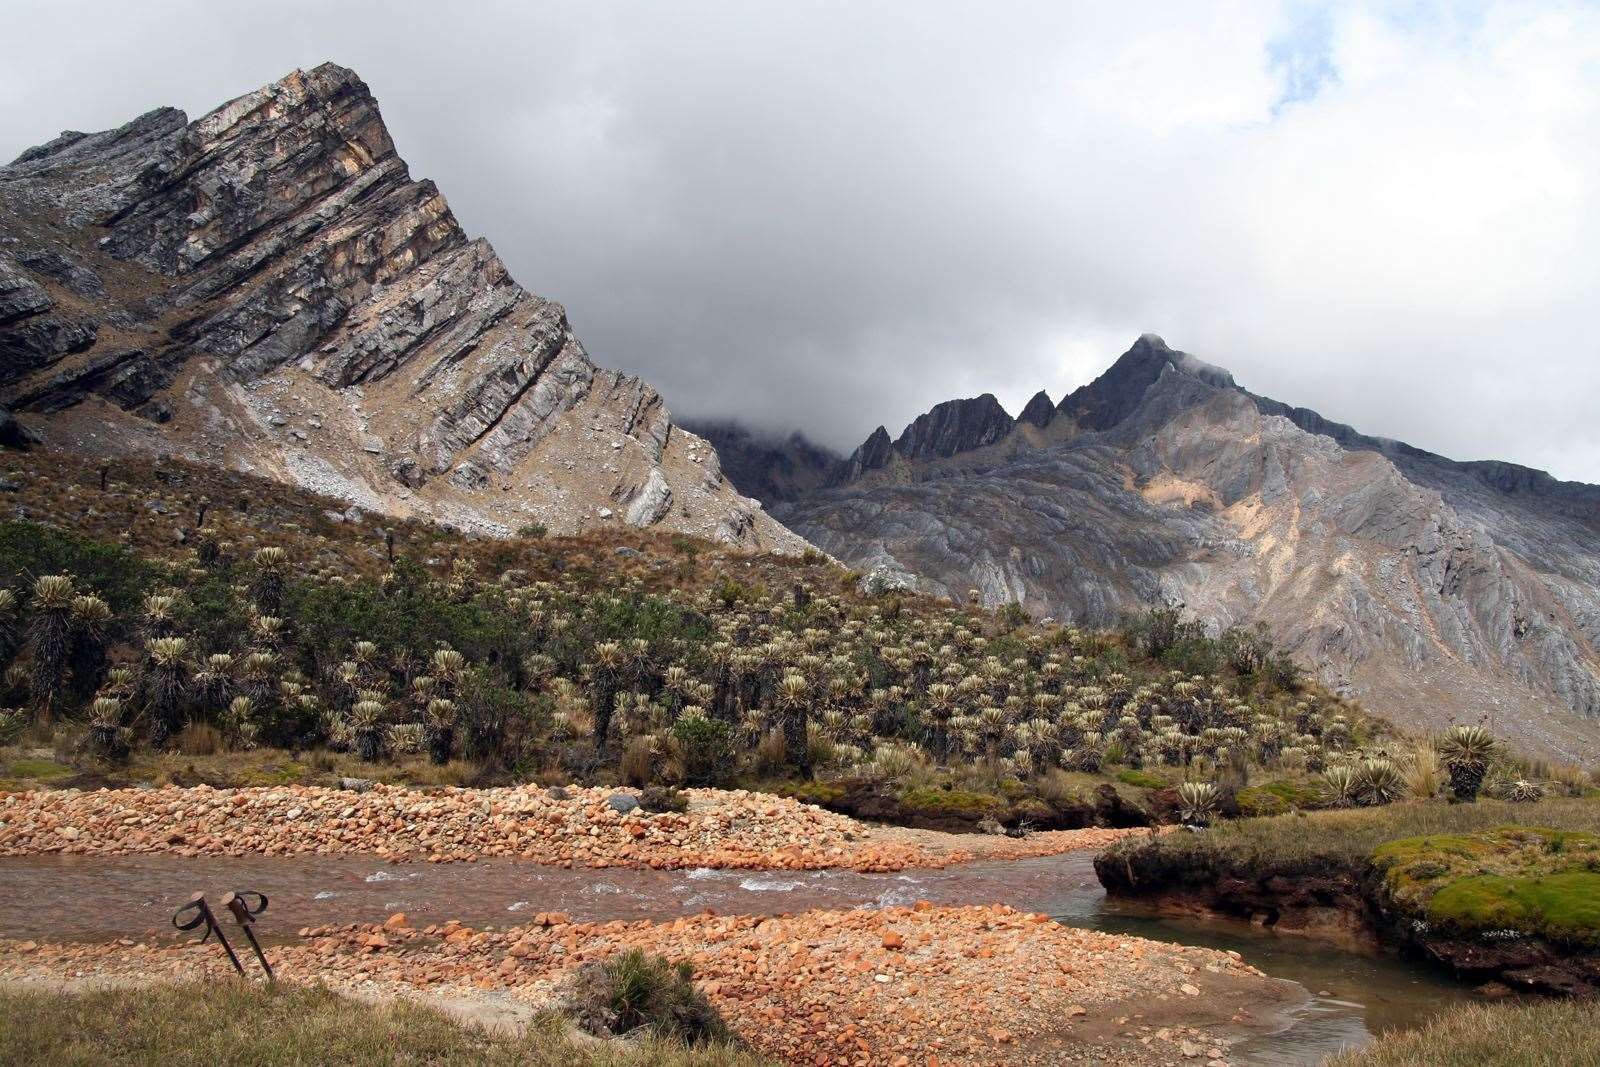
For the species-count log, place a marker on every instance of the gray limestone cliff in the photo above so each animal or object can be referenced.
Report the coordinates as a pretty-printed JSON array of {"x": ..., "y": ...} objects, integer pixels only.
[{"x": 268, "y": 288}]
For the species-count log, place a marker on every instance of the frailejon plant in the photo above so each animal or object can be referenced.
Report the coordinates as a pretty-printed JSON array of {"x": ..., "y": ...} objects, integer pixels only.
[
  {"x": 841, "y": 677},
  {"x": 441, "y": 728},
  {"x": 49, "y": 637},
  {"x": 1466, "y": 752},
  {"x": 165, "y": 685},
  {"x": 1378, "y": 782},
  {"x": 105, "y": 724},
  {"x": 366, "y": 724},
  {"x": 1197, "y": 802},
  {"x": 1341, "y": 786}
]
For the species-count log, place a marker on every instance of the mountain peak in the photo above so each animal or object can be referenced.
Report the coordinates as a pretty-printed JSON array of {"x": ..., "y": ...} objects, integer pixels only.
[
  {"x": 1040, "y": 411},
  {"x": 941, "y": 432},
  {"x": 1114, "y": 395},
  {"x": 955, "y": 426},
  {"x": 289, "y": 299}
]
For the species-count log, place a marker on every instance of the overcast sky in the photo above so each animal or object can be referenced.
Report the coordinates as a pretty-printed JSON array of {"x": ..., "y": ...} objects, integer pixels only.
[{"x": 828, "y": 216}]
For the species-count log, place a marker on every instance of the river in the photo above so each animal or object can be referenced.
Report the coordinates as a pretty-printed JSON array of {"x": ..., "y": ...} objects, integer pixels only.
[{"x": 1353, "y": 996}]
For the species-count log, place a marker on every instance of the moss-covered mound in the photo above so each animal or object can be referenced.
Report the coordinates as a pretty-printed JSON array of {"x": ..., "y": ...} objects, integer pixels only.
[{"x": 1530, "y": 880}]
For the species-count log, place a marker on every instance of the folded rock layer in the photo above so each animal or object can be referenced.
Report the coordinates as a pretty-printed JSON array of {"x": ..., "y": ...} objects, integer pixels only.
[{"x": 269, "y": 289}]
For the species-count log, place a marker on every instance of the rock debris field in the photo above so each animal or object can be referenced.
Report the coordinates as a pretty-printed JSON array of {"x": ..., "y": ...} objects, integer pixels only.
[
  {"x": 570, "y": 828},
  {"x": 907, "y": 985}
]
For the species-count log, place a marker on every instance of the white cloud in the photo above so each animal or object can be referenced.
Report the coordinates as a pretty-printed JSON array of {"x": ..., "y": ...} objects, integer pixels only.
[{"x": 834, "y": 215}]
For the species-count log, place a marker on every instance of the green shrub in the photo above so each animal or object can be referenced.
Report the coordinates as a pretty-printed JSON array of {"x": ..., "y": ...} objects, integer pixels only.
[
  {"x": 706, "y": 747},
  {"x": 657, "y": 799},
  {"x": 29, "y": 549}
]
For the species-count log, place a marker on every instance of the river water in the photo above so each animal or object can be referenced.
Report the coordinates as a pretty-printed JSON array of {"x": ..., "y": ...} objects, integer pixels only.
[{"x": 1353, "y": 996}]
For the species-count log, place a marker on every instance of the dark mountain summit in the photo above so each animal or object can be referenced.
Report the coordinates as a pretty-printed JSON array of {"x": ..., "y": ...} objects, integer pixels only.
[{"x": 1039, "y": 411}]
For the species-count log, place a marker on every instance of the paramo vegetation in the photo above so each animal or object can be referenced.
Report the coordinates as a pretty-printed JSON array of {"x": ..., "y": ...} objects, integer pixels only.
[{"x": 252, "y": 619}]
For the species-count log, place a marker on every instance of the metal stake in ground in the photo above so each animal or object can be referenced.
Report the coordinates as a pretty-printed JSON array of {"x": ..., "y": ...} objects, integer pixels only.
[
  {"x": 202, "y": 917},
  {"x": 244, "y": 913}
]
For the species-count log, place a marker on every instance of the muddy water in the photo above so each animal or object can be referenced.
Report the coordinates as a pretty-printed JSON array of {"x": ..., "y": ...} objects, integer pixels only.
[{"x": 96, "y": 898}]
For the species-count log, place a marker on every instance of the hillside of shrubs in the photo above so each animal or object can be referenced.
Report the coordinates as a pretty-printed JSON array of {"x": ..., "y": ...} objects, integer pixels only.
[{"x": 161, "y": 621}]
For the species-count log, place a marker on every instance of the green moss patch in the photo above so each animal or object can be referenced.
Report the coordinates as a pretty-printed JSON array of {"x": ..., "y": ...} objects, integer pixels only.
[
  {"x": 1560, "y": 907},
  {"x": 1141, "y": 779},
  {"x": 952, "y": 801},
  {"x": 1528, "y": 879},
  {"x": 274, "y": 774},
  {"x": 38, "y": 769},
  {"x": 821, "y": 794}
]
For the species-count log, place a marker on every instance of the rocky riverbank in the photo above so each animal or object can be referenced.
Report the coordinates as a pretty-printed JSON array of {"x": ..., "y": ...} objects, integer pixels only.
[
  {"x": 567, "y": 827},
  {"x": 910, "y": 985},
  {"x": 1332, "y": 906},
  {"x": 1503, "y": 906}
]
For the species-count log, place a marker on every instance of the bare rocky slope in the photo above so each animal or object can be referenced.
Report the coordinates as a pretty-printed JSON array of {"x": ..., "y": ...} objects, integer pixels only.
[
  {"x": 267, "y": 288},
  {"x": 1432, "y": 589}
]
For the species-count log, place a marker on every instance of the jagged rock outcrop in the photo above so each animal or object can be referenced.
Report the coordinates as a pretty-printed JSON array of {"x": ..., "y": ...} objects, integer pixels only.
[
  {"x": 873, "y": 454},
  {"x": 1039, "y": 411},
  {"x": 955, "y": 426},
  {"x": 268, "y": 288},
  {"x": 955, "y": 429},
  {"x": 1430, "y": 588}
]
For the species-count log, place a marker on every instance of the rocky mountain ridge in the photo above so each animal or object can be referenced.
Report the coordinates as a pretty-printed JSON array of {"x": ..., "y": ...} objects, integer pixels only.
[
  {"x": 267, "y": 288},
  {"x": 1433, "y": 589}
]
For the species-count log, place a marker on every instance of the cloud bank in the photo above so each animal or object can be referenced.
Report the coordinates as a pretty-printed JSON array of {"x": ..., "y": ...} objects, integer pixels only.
[{"x": 832, "y": 215}]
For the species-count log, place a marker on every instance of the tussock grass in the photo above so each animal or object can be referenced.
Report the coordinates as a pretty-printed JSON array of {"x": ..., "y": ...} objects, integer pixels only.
[
  {"x": 633, "y": 992},
  {"x": 1534, "y": 1034},
  {"x": 235, "y": 1024}
]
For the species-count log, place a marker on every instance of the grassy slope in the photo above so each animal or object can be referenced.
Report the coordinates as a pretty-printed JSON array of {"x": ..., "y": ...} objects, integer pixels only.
[
  {"x": 1536, "y": 1034},
  {"x": 233, "y": 1024}
]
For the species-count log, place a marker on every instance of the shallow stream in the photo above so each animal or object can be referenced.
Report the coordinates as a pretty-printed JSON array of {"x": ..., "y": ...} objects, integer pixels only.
[{"x": 1353, "y": 996}]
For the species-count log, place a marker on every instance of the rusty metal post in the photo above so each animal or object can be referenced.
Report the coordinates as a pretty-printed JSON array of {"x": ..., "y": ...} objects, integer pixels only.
[
  {"x": 203, "y": 916},
  {"x": 244, "y": 913}
]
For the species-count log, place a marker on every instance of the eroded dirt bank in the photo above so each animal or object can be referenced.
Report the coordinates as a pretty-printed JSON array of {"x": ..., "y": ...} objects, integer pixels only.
[{"x": 1358, "y": 914}]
